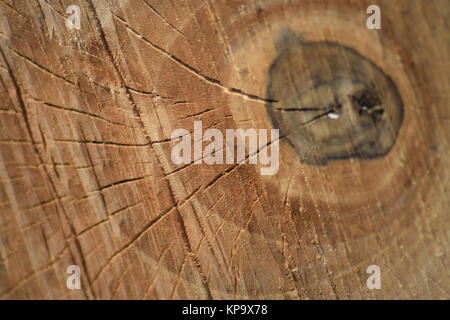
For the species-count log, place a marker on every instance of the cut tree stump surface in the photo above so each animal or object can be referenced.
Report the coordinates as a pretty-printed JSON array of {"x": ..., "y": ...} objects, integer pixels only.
[{"x": 87, "y": 179}]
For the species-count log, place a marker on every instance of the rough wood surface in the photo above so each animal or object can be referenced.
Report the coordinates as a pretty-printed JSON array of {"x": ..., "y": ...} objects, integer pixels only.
[{"x": 86, "y": 176}]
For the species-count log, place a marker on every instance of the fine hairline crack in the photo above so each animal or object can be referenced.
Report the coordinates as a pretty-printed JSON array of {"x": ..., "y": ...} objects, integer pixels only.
[{"x": 193, "y": 70}]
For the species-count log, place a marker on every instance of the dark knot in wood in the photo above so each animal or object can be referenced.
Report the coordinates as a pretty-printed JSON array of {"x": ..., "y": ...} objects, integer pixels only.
[{"x": 332, "y": 103}]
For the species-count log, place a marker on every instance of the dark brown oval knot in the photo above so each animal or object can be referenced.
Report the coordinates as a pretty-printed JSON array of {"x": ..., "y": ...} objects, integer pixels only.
[{"x": 331, "y": 102}]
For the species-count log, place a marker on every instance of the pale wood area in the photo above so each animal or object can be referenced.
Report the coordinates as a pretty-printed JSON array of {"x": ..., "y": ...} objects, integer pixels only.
[{"x": 86, "y": 176}]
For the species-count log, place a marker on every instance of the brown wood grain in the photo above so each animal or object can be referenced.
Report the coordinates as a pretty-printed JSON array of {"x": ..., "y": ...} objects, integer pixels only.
[{"x": 86, "y": 176}]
